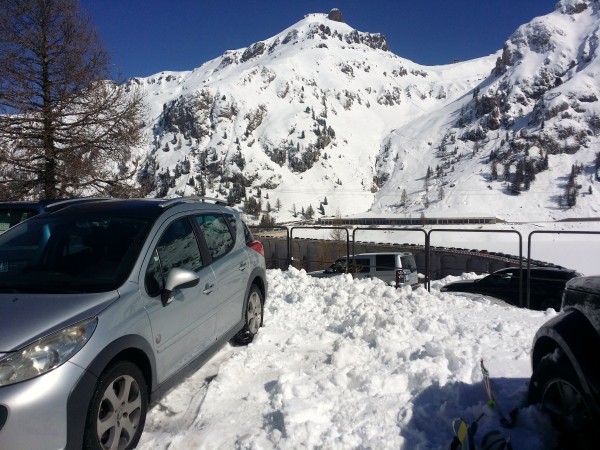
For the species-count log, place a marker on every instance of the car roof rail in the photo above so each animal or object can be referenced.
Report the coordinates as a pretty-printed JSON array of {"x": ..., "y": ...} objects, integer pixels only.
[
  {"x": 61, "y": 203},
  {"x": 191, "y": 199}
]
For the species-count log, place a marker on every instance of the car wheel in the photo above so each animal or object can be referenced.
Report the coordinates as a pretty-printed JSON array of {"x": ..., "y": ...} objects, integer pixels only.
[
  {"x": 118, "y": 409},
  {"x": 253, "y": 318},
  {"x": 555, "y": 385}
]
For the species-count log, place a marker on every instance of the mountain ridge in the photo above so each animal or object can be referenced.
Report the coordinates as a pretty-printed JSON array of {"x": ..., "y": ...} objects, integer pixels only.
[{"x": 325, "y": 117}]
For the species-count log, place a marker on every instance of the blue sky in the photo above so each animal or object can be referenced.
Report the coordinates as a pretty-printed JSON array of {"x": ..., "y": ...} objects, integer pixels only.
[{"x": 145, "y": 37}]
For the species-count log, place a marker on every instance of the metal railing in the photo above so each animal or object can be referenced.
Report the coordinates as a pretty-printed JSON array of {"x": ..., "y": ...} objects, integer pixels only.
[
  {"x": 524, "y": 269},
  {"x": 318, "y": 227},
  {"x": 529, "y": 238},
  {"x": 461, "y": 230}
]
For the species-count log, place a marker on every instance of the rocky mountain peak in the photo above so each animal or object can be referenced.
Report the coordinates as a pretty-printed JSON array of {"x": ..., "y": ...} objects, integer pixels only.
[
  {"x": 335, "y": 15},
  {"x": 325, "y": 109},
  {"x": 574, "y": 6}
]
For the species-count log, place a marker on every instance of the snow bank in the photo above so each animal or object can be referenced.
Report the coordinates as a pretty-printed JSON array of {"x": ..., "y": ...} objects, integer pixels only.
[{"x": 344, "y": 363}]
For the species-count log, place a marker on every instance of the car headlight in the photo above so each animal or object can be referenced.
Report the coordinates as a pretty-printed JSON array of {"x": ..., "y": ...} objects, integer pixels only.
[
  {"x": 45, "y": 354},
  {"x": 443, "y": 289}
]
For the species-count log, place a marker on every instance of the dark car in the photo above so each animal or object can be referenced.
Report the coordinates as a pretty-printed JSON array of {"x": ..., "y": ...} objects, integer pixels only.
[
  {"x": 566, "y": 365},
  {"x": 546, "y": 286}
]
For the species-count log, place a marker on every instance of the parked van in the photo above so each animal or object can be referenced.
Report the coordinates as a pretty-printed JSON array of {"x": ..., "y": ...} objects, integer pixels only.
[{"x": 395, "y": 268}]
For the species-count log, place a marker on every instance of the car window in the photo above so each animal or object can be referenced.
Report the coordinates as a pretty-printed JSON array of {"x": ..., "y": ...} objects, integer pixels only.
[
  {"x": 385, "y": 262},
  {"x": 500, "y": 279},
  {"x": 84, "y": 254},
  {"x": 408, "y": 262},
  {"x": 217, "y": 234},
  {"x": 339, "y": 266},
  {"x": 26, "y": 235},
  {"x": 361, "y": 265},
  {"x": 154, "y": 280},
  {"x": 247, "y": 233},
  {"x": 177, "y": 248},
  {"x": 11, "y": 217},
  {"x": 232, "y": 222}
]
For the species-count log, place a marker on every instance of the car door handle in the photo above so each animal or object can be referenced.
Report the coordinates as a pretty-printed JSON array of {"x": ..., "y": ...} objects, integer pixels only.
[
  {"x": 208, "y": 288},
  {"x": 243, "y": 265}
]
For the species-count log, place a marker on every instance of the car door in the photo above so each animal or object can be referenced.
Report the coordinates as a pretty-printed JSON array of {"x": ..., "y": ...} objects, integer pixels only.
[
  {"x": 186, "y": 326},
  {"x": 504, "y": 285},
  {"x": 230, "y": 264},
  {"x": 545, "y": 290}
]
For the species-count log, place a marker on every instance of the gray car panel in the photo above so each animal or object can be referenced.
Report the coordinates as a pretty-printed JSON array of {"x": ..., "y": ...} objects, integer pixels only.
[
  {"x": 194, "y": 312},
  {"x": 232, "y": 274},
  {"x": 44, "y": 424}
]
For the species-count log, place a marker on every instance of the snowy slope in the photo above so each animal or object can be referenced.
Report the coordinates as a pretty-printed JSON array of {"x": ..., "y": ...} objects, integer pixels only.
[
  {"x": 309, "y": 79},
  {"x": 325, "y": 116},
  {"x": 540, "y": 100}
]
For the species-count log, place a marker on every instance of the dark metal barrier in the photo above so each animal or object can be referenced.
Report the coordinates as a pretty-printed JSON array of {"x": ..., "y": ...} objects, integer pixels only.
[
  {"x": 258, "y": 229},
  {"x": 317, "y": 227},
  {"x": 462, "y": 230},
  {"x": 529, "y": 251},
  {"x": 523, "y": 300}
]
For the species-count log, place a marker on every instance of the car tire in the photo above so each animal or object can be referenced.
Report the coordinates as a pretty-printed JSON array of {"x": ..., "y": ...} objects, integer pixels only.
[
  {"x": 117, "y": 412},
  {"x": 253, "y": 316},
  {"x": 555, "y": 386}
]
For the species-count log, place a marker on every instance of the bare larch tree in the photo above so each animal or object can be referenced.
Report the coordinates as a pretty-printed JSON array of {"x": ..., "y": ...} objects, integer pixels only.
[{"x": 65, "y": 128}]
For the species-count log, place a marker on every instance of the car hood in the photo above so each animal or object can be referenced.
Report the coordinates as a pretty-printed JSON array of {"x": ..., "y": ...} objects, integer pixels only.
[{"x": 24, "y": 318}]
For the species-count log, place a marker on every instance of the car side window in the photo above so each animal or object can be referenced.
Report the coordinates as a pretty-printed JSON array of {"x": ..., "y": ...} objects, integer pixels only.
[
  {"x": 232, "y": 221},
  {"x": 154, "y": 281},
  {"x": 247, "y": 233},
  {"x": 217, "y": 234},
  {"x": 385, "y": 262},
  {"x": 338, "y": 266},
  {"x": 177, "y": 248},
  {"x": 502, "y": 279},
  {"x": 408, "y": 263},
  {"x": 361, "y": 265}
]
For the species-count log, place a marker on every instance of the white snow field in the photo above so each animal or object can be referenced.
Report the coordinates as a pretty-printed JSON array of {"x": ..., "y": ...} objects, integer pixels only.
[{"x": 347, "y": 364}]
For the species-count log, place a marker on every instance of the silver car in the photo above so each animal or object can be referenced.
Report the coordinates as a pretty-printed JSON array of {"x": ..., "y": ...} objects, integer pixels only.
[
  {"x": 105, "y": 305},
  {"x": 395, "y": 269}
]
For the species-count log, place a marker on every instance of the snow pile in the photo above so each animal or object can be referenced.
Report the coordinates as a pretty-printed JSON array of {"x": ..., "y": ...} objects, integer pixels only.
[{"x": 345, "y": 363}]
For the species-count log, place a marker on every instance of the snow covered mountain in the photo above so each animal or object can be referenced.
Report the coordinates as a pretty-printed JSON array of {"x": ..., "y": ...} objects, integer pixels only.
[{"x": 323, "y": 119}]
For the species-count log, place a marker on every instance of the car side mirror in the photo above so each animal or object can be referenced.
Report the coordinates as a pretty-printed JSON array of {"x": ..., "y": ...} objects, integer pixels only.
[{"x": 178, "y": 279}]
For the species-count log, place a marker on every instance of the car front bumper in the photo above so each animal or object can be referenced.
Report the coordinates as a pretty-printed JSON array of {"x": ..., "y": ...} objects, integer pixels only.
[{"x": 36, "y": 410}]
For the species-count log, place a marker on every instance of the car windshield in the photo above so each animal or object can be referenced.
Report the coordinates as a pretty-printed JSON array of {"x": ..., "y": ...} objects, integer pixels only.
[
  {"x": 70, "y": 255},
  {"x": 338, "y": 266},
  {"x": 9, "y": 217}
]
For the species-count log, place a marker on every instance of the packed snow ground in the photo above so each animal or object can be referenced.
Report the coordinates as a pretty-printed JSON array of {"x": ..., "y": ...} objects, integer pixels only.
[{"x": 345, "y": 364}]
